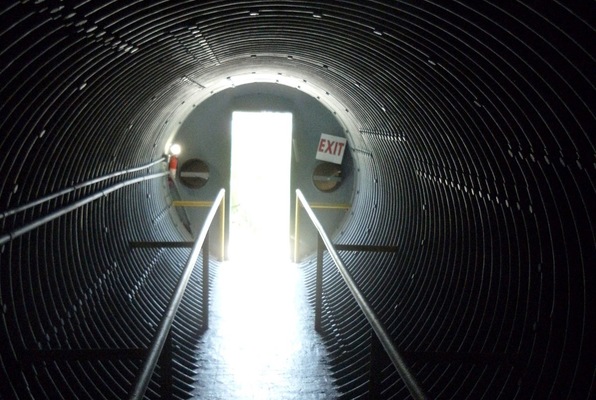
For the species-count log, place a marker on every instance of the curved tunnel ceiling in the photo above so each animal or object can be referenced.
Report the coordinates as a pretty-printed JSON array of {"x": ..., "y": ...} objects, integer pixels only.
[{"x": 472, "y": 126}]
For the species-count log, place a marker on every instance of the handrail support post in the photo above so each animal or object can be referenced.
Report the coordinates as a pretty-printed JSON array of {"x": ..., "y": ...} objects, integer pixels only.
[
  {"x": 222, "y": 222},
  {"x": 205, "y": 248},
  {"x": 319, "y": 284}
]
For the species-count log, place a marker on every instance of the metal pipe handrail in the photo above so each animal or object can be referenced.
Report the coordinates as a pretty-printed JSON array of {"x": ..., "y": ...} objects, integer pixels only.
[
  {"x": 376, "y": 324},
  {"x": 81, "y": 185},
  {"x": 202, "y": 203},
  {"x": 7, "y": 237},
  {"x": 165, "y": 325},
  {"x": 325, "y": 206}
]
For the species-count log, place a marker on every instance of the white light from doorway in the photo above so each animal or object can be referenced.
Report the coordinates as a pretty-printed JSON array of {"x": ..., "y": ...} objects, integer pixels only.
[{"x": 260, "y": 185}]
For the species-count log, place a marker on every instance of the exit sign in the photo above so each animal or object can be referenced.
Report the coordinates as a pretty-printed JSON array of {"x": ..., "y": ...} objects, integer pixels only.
[{"x": 331, "y": 148}]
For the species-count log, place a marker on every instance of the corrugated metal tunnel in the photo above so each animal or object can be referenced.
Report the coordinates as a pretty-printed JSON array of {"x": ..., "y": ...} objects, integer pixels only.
[{"x": 471, "y": 130}]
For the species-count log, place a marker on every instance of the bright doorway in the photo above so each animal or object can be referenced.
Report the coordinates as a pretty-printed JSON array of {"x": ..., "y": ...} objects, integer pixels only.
[{"x": 260, "y": 185}]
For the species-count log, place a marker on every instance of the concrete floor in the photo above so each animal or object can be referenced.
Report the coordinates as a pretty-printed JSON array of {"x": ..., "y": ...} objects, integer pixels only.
[{"x": 261, "y": 343}]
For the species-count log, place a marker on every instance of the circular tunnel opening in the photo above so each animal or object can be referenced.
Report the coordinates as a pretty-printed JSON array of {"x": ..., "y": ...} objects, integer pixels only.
[{"x": 206, "y": 134}]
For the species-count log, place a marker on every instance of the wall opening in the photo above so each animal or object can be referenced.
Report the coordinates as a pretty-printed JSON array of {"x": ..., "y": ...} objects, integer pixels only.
[{"x": 260, "y": 184}]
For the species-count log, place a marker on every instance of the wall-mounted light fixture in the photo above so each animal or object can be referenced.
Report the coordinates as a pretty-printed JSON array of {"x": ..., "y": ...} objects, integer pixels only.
[{"x": 175, "y": 149}]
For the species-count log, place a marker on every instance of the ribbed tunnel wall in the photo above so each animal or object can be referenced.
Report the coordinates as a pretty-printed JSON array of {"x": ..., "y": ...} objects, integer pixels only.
[{"x": 472, "y": 129}]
